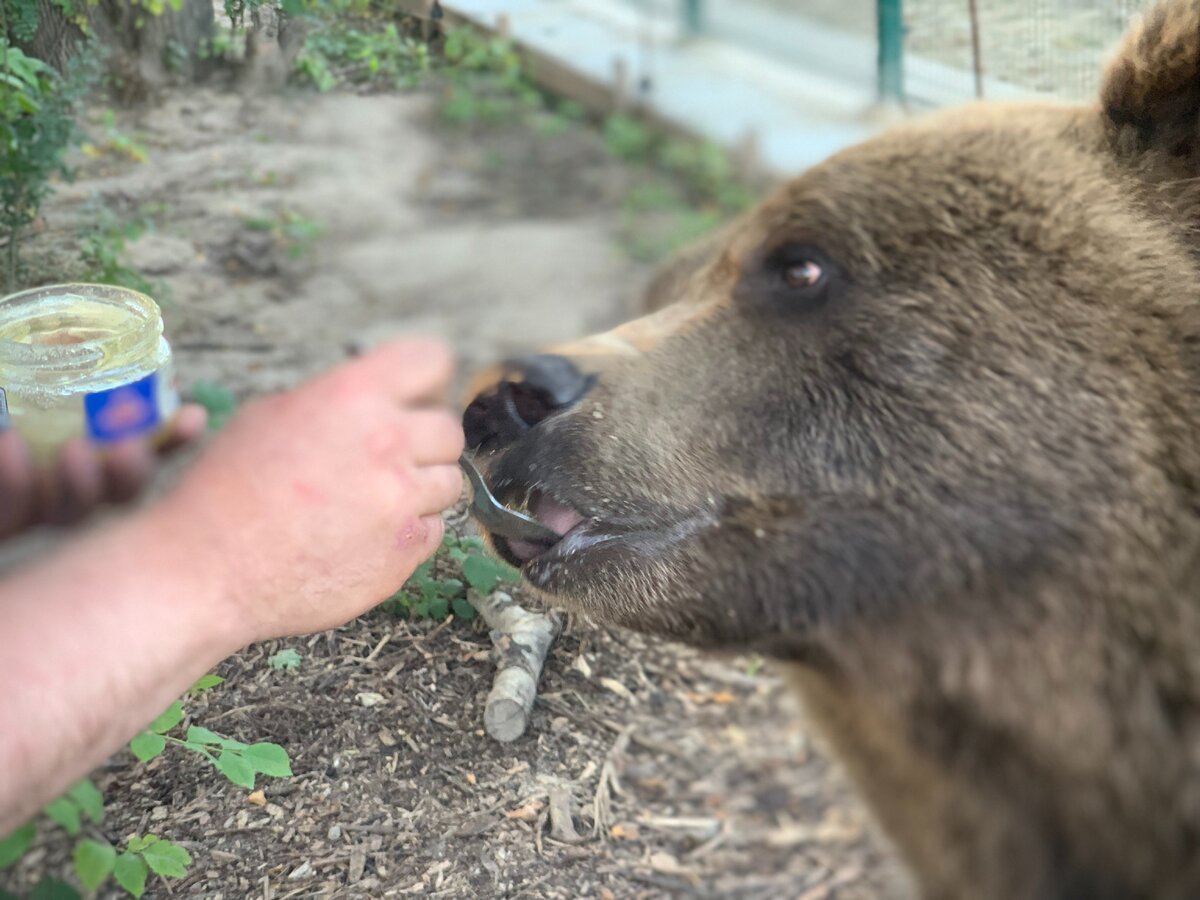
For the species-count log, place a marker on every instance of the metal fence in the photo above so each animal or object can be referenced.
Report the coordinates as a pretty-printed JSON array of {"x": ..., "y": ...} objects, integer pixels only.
[
  {"x": 929, "y": 52},
  {"x": 1049, "y": 46}
]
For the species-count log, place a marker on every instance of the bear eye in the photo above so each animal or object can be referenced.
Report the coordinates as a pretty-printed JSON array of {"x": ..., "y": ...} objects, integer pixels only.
[{"x": 802, "y": 275}]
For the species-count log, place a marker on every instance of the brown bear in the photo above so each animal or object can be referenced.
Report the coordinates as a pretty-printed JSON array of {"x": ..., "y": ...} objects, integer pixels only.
[{"x": 925, "y": 426}]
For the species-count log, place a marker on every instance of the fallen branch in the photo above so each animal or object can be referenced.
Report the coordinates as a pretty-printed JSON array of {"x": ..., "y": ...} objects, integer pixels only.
[
  {"x": 522, "y": 640},
  {"x": 562, "y": 824}
]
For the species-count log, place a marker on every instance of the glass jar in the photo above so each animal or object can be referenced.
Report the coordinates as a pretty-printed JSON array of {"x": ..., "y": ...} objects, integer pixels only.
[{"x": 84, "y": 359}]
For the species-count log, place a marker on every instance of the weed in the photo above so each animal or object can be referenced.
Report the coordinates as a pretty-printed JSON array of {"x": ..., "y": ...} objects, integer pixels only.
[
  {"x": 295, "y": 232},
  {"x": 37, "y": 125},
  {"x": 114, "y": 141},
  {"x": 102, "y": 251},
  {"x": 95, "y": 861},
  {"x": 218, "y": 401},
  {"x": 439, "y": 585},
  {"x": 284, "y": 659},
  {"x": 626, "y": 138}
]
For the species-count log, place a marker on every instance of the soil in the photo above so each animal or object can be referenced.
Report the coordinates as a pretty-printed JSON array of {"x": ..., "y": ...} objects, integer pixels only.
[{"x": 686, "y": 775}]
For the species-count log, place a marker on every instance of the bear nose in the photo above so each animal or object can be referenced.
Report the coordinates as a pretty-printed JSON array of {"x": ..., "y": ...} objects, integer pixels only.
[{"x": 532, "y": 389}]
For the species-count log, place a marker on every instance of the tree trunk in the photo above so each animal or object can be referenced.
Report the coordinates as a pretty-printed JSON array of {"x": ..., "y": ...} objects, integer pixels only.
[{"x": 143, "y": 51}]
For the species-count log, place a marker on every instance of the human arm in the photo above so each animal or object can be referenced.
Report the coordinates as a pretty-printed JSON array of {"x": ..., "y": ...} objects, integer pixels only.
[{"x": 308, "y": 509}]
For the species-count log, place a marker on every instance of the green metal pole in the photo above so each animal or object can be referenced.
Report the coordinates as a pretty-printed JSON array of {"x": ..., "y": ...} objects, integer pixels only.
[
  {"x": 693, "y": 16},
  {"x": 890, "y": 15}
]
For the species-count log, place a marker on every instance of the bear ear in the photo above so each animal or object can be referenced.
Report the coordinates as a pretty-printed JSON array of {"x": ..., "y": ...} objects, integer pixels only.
[{"x": 1151, "y": 89}]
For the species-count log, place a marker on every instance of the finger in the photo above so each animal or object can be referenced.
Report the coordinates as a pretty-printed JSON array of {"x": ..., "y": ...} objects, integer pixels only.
[
  {"x": 74, "y": 485},
  {"x": 188, "y": 427},
  {"x": 434, "y": 437},
  {"x": 127, "y": 468},
  {"x": 411, "y": 370},
  {"x": 429, "y": 532},
  {"x": 438, "y": 489},
  {"x": 18, "y": 484}
]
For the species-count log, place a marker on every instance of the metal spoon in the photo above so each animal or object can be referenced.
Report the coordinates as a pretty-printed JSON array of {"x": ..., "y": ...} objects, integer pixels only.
[{"x": 499, "y": 519}]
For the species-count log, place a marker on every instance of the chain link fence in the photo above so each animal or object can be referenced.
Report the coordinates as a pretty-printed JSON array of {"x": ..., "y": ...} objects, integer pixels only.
[
  {"x": 951, "y": 50},
  {"x": 1054, "y": 47}
]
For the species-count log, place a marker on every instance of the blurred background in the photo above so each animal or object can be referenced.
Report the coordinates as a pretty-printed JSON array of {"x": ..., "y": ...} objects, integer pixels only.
[{"x": 292, "y": 181}]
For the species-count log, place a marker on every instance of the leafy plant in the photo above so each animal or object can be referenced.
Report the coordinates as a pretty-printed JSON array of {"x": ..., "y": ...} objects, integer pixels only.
[
  {"x": 102, "y": 251},
  {"x": 218, "y": 401},
  {"x": 297, "y": 233},
  {"x": 37, "y": 126},
  {"x": 627, "y": 138},
  {"x": 94, "y": 859},
  {"x": 284, "y": 659},
  {"x": 114, "y": 141},
  {"x": 239, "y": 763},
  {"x": 439, "y": 585}
]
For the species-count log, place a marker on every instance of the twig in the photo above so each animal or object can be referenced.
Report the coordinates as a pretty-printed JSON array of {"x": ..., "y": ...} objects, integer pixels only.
[
  {"x": 562, "y": 824},
  {"x": 607, "y": 786},
  {"x": 522, "y": 639}
]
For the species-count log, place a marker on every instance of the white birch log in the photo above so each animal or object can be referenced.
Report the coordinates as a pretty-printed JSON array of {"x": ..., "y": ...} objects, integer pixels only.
[{"x": 522, "y": 640}]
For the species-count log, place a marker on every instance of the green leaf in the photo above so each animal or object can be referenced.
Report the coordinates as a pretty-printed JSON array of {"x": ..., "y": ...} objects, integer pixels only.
[
  {"x": 284, "y": 659},
  {"x": 205, "y": 682},
  {"x": 64, "y": 813},
  {"x": 268, "y": 759},
  {"x": 130, "y": 873},
  {"x": 93, "y": 862},
  {"x": 14, "y": 846},
  {"x": 483, "y": 573},
  {"x": 167, "y": 859},
  {"x": 138, "y": 844},
  {"x": 147, "y": 745},
  {"x": 236, "y": 769},
  {"x": 169, "y": 719},
  {"x": 451, "y": 587},
  {"x": 52, "y": 889},
  {"x": 421, "y": 573},
  {"x": 5, "y": 895},
  {"x": 198, "y": 735},
  {"x": 463, "y": 608},
  {"x": 219, "y": 402},
  {"x": 89, "y": 800},
  {"x": 438, "y": 608}
]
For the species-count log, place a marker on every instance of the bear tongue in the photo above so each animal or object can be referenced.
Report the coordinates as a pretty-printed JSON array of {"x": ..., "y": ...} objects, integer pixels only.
[{"x": 555, "y": 515}]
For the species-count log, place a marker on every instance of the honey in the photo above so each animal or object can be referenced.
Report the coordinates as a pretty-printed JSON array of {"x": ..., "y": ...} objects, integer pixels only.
[{"x": 84, "y": 360}]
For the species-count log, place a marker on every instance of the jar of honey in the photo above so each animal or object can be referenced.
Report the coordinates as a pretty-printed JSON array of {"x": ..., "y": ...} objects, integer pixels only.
[{"x": 84, "y": 360}]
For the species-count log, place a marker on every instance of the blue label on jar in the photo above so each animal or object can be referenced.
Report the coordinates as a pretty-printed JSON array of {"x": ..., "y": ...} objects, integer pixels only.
[
  {"x": 5, "y": 421},
  {"x": 123, "y": 412}
]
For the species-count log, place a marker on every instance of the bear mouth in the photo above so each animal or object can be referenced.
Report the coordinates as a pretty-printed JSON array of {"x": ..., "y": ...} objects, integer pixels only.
[{"x": 587, "y": 541}]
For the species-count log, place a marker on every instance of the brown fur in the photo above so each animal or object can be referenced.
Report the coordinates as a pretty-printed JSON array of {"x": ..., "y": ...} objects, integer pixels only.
[{"x": 957, "y": 491}]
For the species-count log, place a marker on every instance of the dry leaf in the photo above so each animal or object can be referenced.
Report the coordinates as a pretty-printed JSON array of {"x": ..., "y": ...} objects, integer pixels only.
[
  {"x": 617, "y": 688},
  {"x": 624, "y": 832},
  {"x": 581, "y": 666},
  {"x": 470, "y": 778},
  {"x": 527, "y": 813},
  {"x": 258, "y": 798}
]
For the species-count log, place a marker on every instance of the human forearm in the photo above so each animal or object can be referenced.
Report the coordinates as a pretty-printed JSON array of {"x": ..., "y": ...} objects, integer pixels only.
[{"x": 96, "y": 641}]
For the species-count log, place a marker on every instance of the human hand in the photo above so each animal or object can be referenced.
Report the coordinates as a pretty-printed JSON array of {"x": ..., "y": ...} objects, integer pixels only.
[
  {"x": 83, "y": 475},
  {"x": 316, "y": 504}
]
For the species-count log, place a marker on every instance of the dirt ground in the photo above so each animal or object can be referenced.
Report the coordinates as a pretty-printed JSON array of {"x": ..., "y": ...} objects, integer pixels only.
[{"x": 688, "y": 776}]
